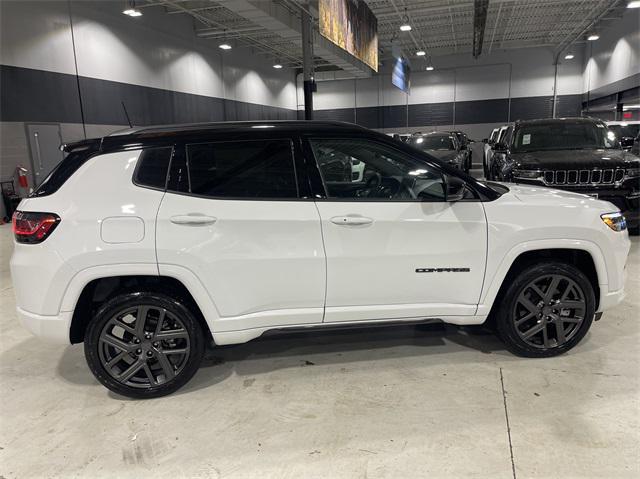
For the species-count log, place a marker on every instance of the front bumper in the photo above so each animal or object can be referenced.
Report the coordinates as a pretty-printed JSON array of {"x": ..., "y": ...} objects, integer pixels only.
[{"x": 52, "y": 329}]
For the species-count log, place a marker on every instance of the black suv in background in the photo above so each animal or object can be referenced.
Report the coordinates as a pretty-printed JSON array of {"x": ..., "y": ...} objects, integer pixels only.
[
  {"x": 576, "y": 154},
  {"x": 444, "y": 146}
]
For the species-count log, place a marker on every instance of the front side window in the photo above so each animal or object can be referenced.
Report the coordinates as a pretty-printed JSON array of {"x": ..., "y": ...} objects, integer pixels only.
[
  {"x": 357, "y": 169},
  {"x": 242, "y": 169}
]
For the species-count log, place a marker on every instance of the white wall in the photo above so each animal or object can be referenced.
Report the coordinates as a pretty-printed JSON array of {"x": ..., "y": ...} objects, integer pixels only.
[
  {"x": 155, "y": 50},
  {"x": 616, "y": 55},
  {"x": 502, "y": 74}
]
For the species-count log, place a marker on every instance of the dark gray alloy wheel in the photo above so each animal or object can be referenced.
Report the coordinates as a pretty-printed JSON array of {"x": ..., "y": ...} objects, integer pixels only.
[
  {"x": 546, "y": 310},
  {"x": 144, "y": 345},
  {"x": 549, "y": 311}
]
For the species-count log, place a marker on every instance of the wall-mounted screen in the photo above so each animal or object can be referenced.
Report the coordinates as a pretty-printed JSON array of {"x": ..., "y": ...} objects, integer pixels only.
[
  {"x": 352, "y": 26},
  {"x": 401, "y": 74}
]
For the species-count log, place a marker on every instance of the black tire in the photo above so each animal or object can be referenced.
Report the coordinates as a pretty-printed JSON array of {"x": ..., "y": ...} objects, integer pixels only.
[
  {"x": 567, "y": 326},
  {"x": 114, "y": 332}
]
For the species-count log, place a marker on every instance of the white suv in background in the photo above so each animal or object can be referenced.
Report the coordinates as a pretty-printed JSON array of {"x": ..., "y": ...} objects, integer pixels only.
[{"x": 149, "y": 243}]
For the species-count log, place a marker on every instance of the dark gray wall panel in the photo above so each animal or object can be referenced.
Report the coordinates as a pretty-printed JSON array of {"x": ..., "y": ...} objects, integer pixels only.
[
  {"x": 369, "y": 117},
  {"x": 39, "y": 96},
  {"x": 337, "y": 114},
  {"x": 482, "y": 111},
  {"x": 530, "y": 108},
  {"x": 34, "y": 95},
  {"x": 394, "y": 116},
  {"x": 569, "y": 105},
  {"x": 431, "y": 114}
]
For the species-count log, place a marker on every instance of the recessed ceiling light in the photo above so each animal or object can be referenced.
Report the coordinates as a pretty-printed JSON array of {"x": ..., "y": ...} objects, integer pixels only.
[
  {"x": 224, "y": 46},
  {"x": 635, "y": 4},
  {"x": 405, "y": 27},
  {"x": 421, "y": 53},
  {"x": 132, "y": 12},
  {"x": 430, "y": 68},
  {"x": 568, "y": 56},
  {"x": 277, "y": 66},
  {"x": 593, "y": 37}
]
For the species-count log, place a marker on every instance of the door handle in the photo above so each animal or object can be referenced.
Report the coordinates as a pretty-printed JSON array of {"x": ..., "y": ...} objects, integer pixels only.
[
  {"x": 351, "y": 220},
  {"x": 193, "y": 219}
]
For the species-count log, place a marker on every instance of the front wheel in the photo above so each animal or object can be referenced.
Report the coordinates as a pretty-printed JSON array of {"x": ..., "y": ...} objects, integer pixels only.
[
  {"x": 546, "y": 310},
  {"x": 144, "y": 345}
]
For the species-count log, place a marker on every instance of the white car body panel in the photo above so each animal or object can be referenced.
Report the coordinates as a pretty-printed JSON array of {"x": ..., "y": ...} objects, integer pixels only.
[
  {"x": 259, "y": 265},
  {"x": 371, "y": 268},
  {"x": 262, "y": 262}
]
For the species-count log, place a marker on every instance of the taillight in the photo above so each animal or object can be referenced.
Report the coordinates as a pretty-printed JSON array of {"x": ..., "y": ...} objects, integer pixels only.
[{"x": 33, "y": 228}]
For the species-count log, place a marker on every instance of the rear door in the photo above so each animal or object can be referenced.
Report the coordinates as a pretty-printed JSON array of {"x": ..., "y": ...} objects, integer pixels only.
[
  {"x": 241, "y": 225},
  {"x": 395, "y": 248}
]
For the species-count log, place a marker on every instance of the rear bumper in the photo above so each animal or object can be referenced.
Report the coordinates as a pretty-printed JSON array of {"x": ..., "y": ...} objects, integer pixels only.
[{"x": 53, "y": 329}]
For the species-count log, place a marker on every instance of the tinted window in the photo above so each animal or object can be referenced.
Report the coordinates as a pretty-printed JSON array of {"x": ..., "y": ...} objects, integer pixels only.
[
  {"x": 563, "y": 136},
  {"x": 364, "y": 170},
  {"x": 65, "y": 169},
  {"x": 153, "y": 165},
  {"x": 246, "y": 169}
]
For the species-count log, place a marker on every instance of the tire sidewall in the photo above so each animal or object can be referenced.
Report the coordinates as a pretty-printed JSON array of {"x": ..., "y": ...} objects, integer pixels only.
[
  {"x": 506, "y": 326},
  {"x": 128, "y": 300}
]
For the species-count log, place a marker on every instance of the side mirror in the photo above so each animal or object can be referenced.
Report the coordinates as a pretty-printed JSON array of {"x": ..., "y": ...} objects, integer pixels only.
[{"x": 455, "y": 188}]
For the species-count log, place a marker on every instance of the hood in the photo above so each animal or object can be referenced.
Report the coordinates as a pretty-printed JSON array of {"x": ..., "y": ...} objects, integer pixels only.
[
  {"x": 443, "y": 155},
  {"x": 574, "y": 159},
  {"x": 543, "y": 196}
]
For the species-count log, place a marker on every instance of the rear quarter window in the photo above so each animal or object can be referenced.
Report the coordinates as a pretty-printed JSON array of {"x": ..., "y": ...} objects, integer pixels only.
[{"x": 153, "y": 166}]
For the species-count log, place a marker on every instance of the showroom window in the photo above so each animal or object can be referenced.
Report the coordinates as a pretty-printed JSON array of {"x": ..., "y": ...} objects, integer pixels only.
[
  {"x": 243, "y": 169},
  {"x": 153, "y": 165},
  {"x": 357, "y": 169}
]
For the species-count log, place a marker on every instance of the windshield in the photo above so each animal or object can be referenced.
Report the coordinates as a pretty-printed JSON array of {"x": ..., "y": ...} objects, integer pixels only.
[
  {"x": 433, "y": 142},
  {"x": 563, "y": 136}
]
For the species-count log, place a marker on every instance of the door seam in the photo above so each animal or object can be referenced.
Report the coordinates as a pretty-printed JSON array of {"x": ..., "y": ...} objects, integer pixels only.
[{"x": 326, "y": 264}]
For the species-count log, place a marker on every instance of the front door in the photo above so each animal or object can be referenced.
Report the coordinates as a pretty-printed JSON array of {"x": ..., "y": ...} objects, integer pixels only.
[
  {"x": 395, "y": 248},
  {"x": 241, "y": 229}
]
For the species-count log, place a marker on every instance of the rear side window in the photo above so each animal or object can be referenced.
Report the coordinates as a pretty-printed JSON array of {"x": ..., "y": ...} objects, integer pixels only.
[
  {"x": 242, "y": 169},
  {"x": 153, "y": 166}
]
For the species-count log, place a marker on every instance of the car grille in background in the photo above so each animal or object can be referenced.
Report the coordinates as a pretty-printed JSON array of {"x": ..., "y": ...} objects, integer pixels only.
[{"x": 583, "y": 177}]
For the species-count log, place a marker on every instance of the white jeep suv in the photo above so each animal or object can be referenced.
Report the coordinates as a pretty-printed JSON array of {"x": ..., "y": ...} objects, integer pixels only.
[{"x": 149, "y": 243}]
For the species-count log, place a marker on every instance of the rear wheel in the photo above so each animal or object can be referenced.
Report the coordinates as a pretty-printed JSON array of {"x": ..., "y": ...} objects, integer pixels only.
[
  {"x": 546, "y": 311},
  {"x": 144, "y": 345}
]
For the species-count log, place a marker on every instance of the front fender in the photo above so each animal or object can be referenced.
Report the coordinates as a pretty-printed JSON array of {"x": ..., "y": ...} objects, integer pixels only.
[{"x": 492, "y": 285}]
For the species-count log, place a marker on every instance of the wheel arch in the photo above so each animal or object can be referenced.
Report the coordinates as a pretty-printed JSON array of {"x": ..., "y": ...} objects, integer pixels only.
[
  {"x": 97, "y": 291},
  {"x": 585, "y": 255}
]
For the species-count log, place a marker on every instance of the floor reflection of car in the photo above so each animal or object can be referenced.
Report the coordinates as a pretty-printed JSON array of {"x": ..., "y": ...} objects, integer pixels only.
[
  {"x": 442, "y": 145},
  {"x": 626, "y": 131},
  {"x": 576, "y": 154}
]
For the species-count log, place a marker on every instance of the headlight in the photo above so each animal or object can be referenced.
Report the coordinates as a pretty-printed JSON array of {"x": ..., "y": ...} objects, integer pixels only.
[
  {"x": 615, "y": 221},
  {"x": 528, "y": 174},
  {"x": 633, "y": 173}
]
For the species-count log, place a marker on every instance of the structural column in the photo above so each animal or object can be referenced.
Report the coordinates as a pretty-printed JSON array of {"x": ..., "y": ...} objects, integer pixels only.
[{"x": 307, "y": 65}]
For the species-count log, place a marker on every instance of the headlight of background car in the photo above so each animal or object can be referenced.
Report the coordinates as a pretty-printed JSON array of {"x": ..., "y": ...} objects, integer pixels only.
[
  {"x": 529, "y": 174},
  {"x": 615, "y": 221},
  {"x": 633, "y": 173}
]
